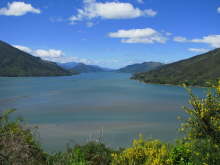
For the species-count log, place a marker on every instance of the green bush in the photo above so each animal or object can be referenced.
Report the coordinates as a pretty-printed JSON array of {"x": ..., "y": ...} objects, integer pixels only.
[
  {"x": 17, "y": 144},
  {"x": 92, "y": 153}
]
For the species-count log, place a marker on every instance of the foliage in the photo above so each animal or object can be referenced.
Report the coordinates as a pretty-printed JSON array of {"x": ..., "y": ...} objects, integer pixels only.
[
  {"x": 195, "y": 71},
  {"x": 201, "y": 144},
  {"x": 144, "y": 67},
  {"x": 204, "y": 116},
  {"x": 143, "y": 152},
  {"x": 17, "y": 144},
  {"x": 92, "y": 153},
  {"x": 74, "y": 157}
]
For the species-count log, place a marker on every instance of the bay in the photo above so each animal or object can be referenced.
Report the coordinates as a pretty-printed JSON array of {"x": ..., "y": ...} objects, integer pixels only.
[{"x": 94, "y": 106}]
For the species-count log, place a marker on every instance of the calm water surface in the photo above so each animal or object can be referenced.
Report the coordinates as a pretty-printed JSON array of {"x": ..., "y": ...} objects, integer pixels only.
[{"x": 89, "y": 106}]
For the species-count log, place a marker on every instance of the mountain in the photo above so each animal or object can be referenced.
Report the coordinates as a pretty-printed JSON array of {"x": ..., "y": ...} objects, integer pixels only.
[
  {"x": 68, "y": 65},
  {"x": 144, "y": 67},
  {"x": 83, "y": 68},
  {"x": 193, "y": 71},
  {"x": 14, "y": 62}
]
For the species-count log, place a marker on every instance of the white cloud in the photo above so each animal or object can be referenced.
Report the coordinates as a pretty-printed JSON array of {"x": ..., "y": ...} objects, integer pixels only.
[
  {"x": 212, "y": 40},
  {"x": 218, "y": 10},
  {"x": 18, "y": 9},
  {"x": 147, "y": 36},
  {"x": 198, "y": 50},
  {"x": 53, "y": 55},
  {"x": 23, "y": 48},
  {"x": 109, "y": 10},
  {"x": 180, "y": 39},
  {"x": 50, "y": 53}
]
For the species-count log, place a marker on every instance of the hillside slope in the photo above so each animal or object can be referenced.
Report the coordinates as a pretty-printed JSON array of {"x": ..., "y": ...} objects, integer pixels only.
[
  {"x": 144, "y": 67},
  {"x": 84, "y": 68},
  {"x": 14, "y": 62},
  {"x": 193, "y": 71}
]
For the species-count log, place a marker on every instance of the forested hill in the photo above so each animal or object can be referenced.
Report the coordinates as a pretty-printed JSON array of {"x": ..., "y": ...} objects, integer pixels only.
[
  {"x": 14, "y": 62},
  {"x": 143, "y": 67},
  {"x": 193, "y": 71}
]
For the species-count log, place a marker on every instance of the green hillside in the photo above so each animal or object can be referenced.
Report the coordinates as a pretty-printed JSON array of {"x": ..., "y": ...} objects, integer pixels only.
[
  {"x": 83, "y": 68},
  {"x": 143, "y": 67},
  {"x": 14, "y": 62},
  {"x": 193, "y": 71}
]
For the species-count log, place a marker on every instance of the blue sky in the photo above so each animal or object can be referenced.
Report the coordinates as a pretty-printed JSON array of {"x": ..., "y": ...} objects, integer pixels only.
[{"x": 111, "y": 33}]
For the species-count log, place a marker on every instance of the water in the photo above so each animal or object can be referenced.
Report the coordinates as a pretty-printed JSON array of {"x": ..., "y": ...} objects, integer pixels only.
[{"x": 106, "y": 106}]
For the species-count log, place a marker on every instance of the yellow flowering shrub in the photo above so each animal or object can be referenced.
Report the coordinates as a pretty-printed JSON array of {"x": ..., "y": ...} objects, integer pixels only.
[
  {"x": 142, "y": 152},
  {"x": 204, "y": 116}
]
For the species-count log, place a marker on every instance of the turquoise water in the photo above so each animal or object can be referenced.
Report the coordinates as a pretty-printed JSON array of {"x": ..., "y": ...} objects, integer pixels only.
[{"x": 106, "y": 106}]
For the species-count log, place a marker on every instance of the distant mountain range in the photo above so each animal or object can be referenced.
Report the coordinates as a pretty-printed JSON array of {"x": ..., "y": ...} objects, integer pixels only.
[
  {"x": 143, "y": 67},
  {"x": 193, "y": 71},
  {"x": 14, "y": 62},
  {"x": 68, "y": 65},
  {"x": 82, "y": 68}
]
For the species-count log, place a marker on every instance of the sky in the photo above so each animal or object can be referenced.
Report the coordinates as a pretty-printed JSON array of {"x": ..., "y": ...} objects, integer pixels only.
[{"x": 111, "y": 33}]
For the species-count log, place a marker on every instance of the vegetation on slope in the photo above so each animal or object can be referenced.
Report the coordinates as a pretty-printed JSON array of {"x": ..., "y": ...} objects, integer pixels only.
[
  {"x": 199, "y": 146},
  {"x": 195, "y": 71},
  {"x": 144, "y": 67},
  {"x": 14, "y": 62},
  {"x": 84, "y": 68}
]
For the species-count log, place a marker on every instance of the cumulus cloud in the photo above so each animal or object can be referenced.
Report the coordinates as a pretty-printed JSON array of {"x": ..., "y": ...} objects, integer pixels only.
[
  {"x": 18, "y": 9},
  {"x": 212, "y": 40},
  {"x": 180, "y": 39},
  {"x": 52, "y": 55},
  {"x": 198, "y": 50},
  {"x": 109, "y": 10},
  {"x": 147, "y": 36},
  {"x": 218, "y": 10},
  {"x": 24, "y": 48}
]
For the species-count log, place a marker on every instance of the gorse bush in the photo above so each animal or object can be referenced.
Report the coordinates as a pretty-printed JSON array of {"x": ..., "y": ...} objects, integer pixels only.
[
  {"x": 143, "y": 152},
  {"x": 204, "y": 116},
  {"x": 199, "y": 146},
  {"x": 201, "y": 143}
]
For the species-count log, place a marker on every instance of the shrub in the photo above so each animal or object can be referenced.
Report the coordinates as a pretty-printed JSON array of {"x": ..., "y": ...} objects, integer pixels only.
[
  {"x": 92, "y": 153},
  {"x": 17, "y": 144},
  {"x": 204, "y": 116},
  {"x": 143, "y": 152},
  {"x": 201, "y": 144}
]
